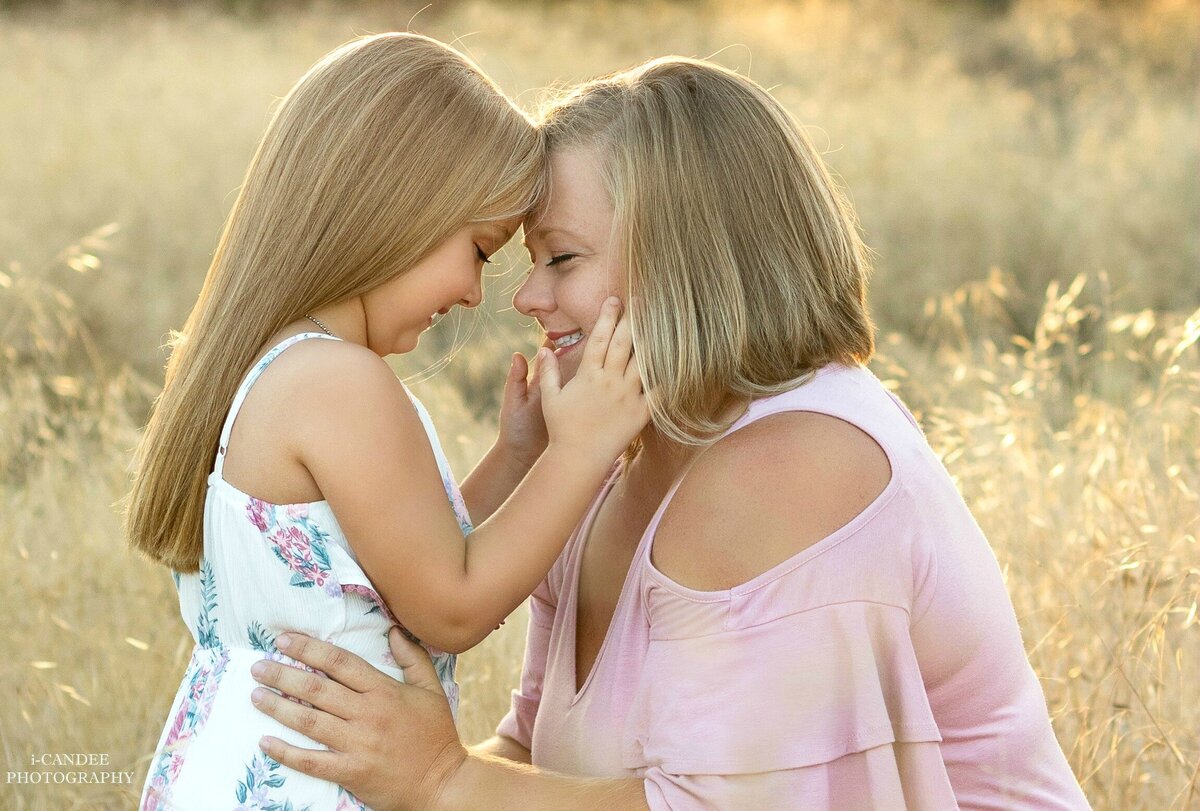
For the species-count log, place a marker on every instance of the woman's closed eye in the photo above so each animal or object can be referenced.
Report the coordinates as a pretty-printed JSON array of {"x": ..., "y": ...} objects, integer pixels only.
[{"x": 560, "y": 259}]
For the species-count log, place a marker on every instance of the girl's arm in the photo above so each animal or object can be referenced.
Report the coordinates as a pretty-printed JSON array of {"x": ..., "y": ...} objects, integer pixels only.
[
  {"x": 491, "y": 482},
  {"x": 520, "y": 441},
  {"x": 367, "y": 449}
]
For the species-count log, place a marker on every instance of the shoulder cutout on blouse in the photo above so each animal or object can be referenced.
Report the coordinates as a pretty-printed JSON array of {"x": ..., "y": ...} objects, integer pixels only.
[{"x": 765, "y": 493}]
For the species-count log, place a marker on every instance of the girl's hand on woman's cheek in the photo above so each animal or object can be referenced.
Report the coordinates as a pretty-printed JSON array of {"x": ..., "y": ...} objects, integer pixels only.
[
  {"x": 523, "y": 434},
  {"x": 603, "y": 407}
]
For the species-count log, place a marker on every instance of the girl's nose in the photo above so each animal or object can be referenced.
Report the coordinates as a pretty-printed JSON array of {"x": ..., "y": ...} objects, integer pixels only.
[
  {"x": 474, "y": 298},
  {"x": 534, "y": 295}
]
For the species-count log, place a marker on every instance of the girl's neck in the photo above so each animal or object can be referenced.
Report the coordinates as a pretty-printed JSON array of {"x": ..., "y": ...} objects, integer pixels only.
[{"x": 345, "y": 319}]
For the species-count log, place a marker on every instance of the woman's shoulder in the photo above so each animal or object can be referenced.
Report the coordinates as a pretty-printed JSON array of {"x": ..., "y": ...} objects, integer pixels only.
[{"x": 765, "y": 493}]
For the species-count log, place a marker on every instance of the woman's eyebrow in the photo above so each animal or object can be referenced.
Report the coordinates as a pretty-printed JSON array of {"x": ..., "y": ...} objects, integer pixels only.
[{"x": 542, "y": 232}]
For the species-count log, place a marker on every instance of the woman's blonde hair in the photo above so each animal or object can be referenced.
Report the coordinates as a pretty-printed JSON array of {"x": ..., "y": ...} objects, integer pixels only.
[
  {"x": 745, "y": 267},
  {"x": 382, "y": 150}
]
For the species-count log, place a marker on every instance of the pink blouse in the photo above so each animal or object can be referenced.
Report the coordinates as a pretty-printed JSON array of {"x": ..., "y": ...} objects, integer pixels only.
[{"x": 881, "y": 668}]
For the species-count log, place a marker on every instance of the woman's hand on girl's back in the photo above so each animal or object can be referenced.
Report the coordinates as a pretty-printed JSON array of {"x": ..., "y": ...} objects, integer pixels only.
[{"x": 602, "y": 408}]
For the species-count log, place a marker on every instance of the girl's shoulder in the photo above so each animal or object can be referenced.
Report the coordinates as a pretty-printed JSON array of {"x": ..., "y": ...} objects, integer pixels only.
[
  {"x": 326, "y": 372},
  {"x": 305, "y": 397}
]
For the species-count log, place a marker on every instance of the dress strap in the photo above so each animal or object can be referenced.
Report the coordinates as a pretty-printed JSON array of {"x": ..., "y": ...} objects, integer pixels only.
[{"x": 248, "y": 382}]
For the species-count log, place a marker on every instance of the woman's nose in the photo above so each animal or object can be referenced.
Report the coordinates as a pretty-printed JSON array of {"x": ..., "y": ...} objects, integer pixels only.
[{"x": 534, "y": 295}]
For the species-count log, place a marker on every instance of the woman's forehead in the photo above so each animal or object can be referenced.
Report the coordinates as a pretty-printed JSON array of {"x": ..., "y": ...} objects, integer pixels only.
[{"x": 577, "y": 203}]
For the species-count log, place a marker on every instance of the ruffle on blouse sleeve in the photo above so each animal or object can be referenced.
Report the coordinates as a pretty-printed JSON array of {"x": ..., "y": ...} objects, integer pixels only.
[{"x": 823, "y": 708}]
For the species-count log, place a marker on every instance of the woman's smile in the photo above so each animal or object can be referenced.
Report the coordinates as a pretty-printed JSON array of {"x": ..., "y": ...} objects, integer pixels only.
[{"x": 561, "y": 343}]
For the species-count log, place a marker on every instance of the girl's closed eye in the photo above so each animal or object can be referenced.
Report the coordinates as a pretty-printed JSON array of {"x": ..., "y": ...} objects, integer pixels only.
[{"x": 483, "y": 257}]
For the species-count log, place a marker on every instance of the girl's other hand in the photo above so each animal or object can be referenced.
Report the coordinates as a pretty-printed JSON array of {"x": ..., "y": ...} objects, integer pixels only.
[
  {"x": 603, "y": 407},
  {"x": 523, "y": 434}
]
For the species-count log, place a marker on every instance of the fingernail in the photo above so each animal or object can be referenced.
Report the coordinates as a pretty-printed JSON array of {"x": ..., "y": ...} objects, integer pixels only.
[
  {"x": 258, "y": 668},
  {"x": 258, "y": 694},
  {"x": 282, "y": 641},
  {"x": 264, "y": 743},
  {"x": 613, "y": 300}
]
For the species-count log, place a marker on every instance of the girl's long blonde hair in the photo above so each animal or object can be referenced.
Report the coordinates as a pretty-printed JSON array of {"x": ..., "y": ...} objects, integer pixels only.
[
  {"x": 745, "y": 268},
  {"x": 382, "y": 150}
]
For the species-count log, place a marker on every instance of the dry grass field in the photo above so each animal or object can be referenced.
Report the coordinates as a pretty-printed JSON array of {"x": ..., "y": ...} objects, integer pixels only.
[{"x": 1026, "y": 173}]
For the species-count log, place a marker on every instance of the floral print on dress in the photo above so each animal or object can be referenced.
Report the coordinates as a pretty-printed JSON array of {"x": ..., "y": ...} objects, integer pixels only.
[
  {"x": 254, "y": 790},
  {"x": 297, "y": 541},
  {"x": 198, "y": 692},
  {"x": 457, "y": 503},
  {"x": 348, "y": 802},
  {"x": 261, "y": 639},
  {"x": 206, "y": 623}
]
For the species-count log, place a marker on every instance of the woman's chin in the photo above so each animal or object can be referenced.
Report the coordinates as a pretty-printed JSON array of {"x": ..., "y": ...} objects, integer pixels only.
[{"x": 567, "y": 369}]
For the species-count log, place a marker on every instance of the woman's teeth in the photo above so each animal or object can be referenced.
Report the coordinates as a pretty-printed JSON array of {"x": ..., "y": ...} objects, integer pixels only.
[{"x": 568, "y": 340}]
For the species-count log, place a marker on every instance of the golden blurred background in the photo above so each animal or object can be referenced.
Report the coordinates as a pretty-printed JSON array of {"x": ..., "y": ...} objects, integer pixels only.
[{"x": 1026, "y": 172}]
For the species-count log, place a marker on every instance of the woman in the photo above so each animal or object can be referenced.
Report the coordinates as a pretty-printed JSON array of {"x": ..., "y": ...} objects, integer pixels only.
[{"x": 780, "y": 600}]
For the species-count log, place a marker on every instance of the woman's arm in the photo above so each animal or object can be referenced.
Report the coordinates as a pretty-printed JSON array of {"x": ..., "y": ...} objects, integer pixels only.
[
  {"x": 394, "y": 744},
  {"x": 507, "y": 785},
  {"x": 501, "y": 746}
]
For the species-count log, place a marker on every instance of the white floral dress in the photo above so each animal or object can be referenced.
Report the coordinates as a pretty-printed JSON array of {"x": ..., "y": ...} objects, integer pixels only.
[{"x": 267, "y": 568}]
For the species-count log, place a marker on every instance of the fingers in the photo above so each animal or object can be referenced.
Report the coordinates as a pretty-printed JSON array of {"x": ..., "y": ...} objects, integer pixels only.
[
  {"x": 633, "y": 372},
  {"x": 620, "y": 347},
  {"x": 339, "y": 664},
  {"x": 547, "y": 364},
  {"x": 515, "y": 385},
  {"x": 319, "y": 691},
  {"x": 414, "y": 660},
  {"x": 316, "y": 724},
  {"x": 596, "y": 347},
  {"x": 533, "y": 388},
  {"x": 325, "y": 765}
]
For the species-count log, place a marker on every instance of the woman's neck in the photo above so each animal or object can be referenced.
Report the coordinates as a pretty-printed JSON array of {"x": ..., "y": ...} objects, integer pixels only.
[{"x": 662, "y": 460}]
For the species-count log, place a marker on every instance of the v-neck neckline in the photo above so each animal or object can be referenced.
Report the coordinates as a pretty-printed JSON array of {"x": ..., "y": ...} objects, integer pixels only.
[
  {"x": 576, "y": 577},
  {"x": 585, "y": 537}
]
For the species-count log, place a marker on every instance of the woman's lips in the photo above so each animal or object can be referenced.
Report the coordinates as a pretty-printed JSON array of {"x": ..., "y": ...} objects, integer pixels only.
[
  {"x": 558, "y": 353},
  {"x": 551, "y": 337}
]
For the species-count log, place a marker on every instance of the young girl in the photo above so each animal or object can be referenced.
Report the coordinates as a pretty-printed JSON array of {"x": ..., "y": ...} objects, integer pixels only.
[{"x": 388, "y": 175}]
